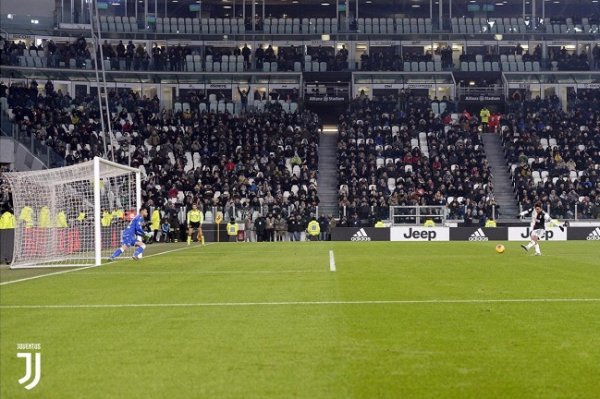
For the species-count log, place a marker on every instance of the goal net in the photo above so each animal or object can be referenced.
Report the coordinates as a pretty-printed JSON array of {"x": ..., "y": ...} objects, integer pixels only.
[{"x": 72, "y": 216}]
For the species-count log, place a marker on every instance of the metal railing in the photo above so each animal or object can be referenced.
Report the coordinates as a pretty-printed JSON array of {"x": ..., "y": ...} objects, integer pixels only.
[{"x": 417, "y": 215}]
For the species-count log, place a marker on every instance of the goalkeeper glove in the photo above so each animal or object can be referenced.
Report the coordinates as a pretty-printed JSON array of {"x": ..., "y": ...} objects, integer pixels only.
[
  {"x": 148, "y": 234},
  {"x": 562, "y": 228}
]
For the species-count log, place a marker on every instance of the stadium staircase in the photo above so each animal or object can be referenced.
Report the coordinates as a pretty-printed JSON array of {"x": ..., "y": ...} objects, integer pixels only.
[
  {"x": 327, "y": 189},
  {"x": 503, "y": 188}
]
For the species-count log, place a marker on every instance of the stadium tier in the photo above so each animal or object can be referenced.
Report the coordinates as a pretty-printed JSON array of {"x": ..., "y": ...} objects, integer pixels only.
[
  {"x": 299, "y": 55},
  {"x": 553, "y": 155},
  {"x": 395, "y": 151},
  {"x": 214, "y": 158}
]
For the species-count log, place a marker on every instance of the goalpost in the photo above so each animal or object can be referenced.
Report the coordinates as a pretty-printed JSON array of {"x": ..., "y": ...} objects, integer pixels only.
[{"x": 59, "y": 212}]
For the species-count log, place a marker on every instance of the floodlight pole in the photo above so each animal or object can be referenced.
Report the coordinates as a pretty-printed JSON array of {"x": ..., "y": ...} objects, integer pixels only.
[
  {"x": 96, "y": 46},
  {"x": 253, "y": 16},
  {"x": 96, "y": 38},
  {"x": 431, "y": 10},
  {"x": 347, "y": 16},
  {"x": 441, "y": 11}
]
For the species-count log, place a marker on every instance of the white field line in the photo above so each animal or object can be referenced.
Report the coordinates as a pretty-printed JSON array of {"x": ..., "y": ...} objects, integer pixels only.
[
  {"x": 244, "y": 252},
  {"x": 301, "y": 303},
  {"x": 331, "y": 262},
  {"x": 203, "y": 272},
  {"x": 46, "y": 275},
  {"x": 83, "y": 268}
]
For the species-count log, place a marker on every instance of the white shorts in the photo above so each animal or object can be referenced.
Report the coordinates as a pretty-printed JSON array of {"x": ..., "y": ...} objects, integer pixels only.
[{"x": 540, "y": 233}]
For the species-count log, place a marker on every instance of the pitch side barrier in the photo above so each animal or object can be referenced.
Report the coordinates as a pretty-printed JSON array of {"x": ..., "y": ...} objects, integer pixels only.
[
  {"x": 420, "y": 233},
  {"x": 7, "y": 241}
]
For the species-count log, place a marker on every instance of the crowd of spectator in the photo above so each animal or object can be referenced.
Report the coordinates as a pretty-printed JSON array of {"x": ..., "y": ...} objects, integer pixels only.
[
  {"x": 395, "y": 151},
  {"x": 563, "y": 60},
  {"x": 281, "y": 227},
  {"x": 554, "y": 154},
  {"x": 130, "y": 56},
  {"x": 265, "y": 162},
  {"x": 5, "y": 193},
  {"x": 518, "y": 50},
  {"x": 522, "y": 101},
  {"x": 584, "y": 99},
  {"x": 381, "y": 59}
]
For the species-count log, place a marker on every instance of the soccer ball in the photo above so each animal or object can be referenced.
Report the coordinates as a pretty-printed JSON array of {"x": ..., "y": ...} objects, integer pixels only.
[{"x": 500, "y": 248}]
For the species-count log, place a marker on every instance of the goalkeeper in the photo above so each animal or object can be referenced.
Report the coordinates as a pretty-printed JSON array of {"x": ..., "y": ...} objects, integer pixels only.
[
  {"x": 132, "y": 236},
  {"x": 538, "y": 226}
]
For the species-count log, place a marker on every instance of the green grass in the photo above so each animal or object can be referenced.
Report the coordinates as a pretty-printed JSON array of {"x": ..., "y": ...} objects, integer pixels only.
[{"x": 396, "y": 320}]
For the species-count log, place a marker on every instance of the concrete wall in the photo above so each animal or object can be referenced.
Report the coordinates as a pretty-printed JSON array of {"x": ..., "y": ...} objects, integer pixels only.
[
  {"x": 19, "y": 160},
  {"x": 7, "y": 151}
]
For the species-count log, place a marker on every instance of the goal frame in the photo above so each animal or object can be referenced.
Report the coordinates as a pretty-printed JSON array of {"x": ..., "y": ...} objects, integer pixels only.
[
  {"x": 97, "y": 205},
  {"x": 95, "y": 180}
]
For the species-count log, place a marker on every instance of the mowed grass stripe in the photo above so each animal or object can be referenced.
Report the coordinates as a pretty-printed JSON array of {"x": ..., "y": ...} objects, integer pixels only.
[
  {"x": 8, "y": 276},
  {"x": 194, "y": 251},
  {"x": 303, "y": 303},
  {"x": 415, "y": 271}
]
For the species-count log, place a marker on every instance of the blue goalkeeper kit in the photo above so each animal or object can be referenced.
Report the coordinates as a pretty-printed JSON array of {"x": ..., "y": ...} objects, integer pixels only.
[
  {"x": 130, "y": 236},
  {"x": 131, "y": 232}
]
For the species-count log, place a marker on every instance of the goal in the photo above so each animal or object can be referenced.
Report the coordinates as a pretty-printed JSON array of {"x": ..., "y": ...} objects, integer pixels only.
[{"x": 60, "y": 212}]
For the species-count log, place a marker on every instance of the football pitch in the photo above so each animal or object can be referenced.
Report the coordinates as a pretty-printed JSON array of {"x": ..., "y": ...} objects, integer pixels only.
[{"x": 281, "y": 320}]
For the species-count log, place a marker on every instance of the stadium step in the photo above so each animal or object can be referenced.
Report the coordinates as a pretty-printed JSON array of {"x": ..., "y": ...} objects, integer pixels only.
[
  {"x": 327, "y": 189},
  {"x": 503, "y": 188}
]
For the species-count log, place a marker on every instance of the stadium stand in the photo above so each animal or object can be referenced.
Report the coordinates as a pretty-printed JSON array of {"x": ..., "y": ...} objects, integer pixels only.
[
  {"x": 264, "y": 161},
  {"x": 553, "y": 155},
  {"x": 397, "y": 151},
  {"x": 134, "y": 55}
]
